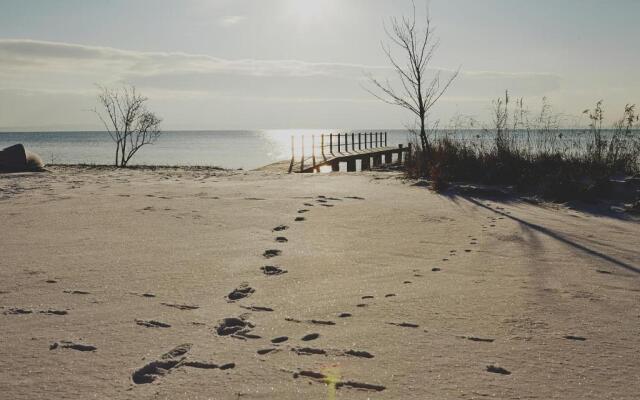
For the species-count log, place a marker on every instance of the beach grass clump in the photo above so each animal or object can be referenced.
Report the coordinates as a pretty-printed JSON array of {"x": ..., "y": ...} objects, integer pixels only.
[{"x": 535, "y": 155}]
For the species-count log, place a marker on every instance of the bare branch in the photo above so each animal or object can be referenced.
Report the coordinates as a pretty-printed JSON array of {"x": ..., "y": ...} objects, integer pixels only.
[
  {"x": 415, "y": 93},
  {"x": 127, "y": 121}
]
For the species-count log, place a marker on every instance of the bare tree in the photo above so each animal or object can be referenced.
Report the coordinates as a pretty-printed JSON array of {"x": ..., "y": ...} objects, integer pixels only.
[
  {"x": 127, "y": 120},
  {"x": 415, "y": 92}
]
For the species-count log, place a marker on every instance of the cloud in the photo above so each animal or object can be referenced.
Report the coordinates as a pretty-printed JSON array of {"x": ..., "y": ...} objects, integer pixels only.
[
  {"x": 41, "y": 65},
  {"x": 40, "y": 69},
  {"x": 231, "y": 20}
]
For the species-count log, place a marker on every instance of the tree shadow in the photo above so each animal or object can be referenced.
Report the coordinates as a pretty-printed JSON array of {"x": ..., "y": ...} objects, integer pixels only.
[
  {"x": 546, "y": 231},
  {"x": 603, "y": 208}
]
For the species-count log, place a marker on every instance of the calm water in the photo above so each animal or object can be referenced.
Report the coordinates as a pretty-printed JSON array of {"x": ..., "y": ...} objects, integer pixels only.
[
  {"x": 244, "y": 149},
  {"x": 227, "y": 149}
]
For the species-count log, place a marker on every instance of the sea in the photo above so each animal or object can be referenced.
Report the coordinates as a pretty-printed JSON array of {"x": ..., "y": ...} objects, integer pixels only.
[
  {"x": 226, "y": 149},
  {"x": 252, "y": 149}
]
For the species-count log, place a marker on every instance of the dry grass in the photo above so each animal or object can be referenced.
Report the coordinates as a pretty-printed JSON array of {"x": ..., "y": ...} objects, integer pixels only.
[{"x": 536, "y": 155}]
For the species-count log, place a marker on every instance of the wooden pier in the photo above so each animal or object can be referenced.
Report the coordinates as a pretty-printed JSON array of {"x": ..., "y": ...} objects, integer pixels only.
[{"x": 369, "y": 147}]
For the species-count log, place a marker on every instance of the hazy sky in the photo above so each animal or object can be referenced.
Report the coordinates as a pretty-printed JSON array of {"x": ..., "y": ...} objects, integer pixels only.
[{"x": 242, "y": 64}]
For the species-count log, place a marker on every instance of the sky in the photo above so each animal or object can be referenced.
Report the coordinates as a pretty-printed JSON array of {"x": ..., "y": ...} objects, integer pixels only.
[{"x": 287, "y": 64}]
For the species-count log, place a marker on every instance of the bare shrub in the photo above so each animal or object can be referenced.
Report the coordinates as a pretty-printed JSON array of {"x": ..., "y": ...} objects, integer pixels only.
[{"x": 128, "y": 122}]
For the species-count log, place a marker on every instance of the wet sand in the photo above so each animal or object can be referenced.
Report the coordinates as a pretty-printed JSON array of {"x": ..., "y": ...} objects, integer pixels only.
[{"x": 205, "y": 284}]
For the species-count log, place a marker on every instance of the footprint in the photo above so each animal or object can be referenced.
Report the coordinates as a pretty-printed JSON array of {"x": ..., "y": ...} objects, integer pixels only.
[
  {"x": 367, "y": 297},
  {"x": 64, "y": 344},
  {"x": 404, "y": 324},
  {"x": 161, "y": 367},
  {"x": 181, "y": 306},
  {"x": 205, "y": 365},
  {"x": 311, "y": 336},
  {"x": 344, "y": 315},
  {"x": 436, "y": 269},
  {"x": 361, "y": 305},
  {"x": 257, "y": 308},
  {"x": 271, "y": 270},
  {"x": 320, "y": 322},
  {"x": 356, "y": 353},
  {"x": 280, "y": 228},
  {"x": 302, "y": 211},
  {"x": 282, "y": 239},
  {"x": 308, "y": 205},
  {"x": 390, "y": 295},
  {"x": 51, "y": 281},
  {"x": 354, "y": 197},
  {"x": 76, "y": 292},
  {"x": 152, "y": 324},
  {"x": 477, "y": 339},
  {"x": 497, "y": 370},
  {"x": 326, "y": 205},
  {"x": 572, "y": 337},
  {"x": 242, "y": 291},
  {"x": 602, "y": 271},
  {"x": 234, "y": 327},
  {"x": 300, "y": 219},
  {"x": 306, "y": 351},
  {"x": 148, "y": 295},
  {"x": 406, "y": 282},
  {"x": 54, "y": 312},
  {"x": 17, "y": 311},
  {"x": 340, "y": 384},
  {"x": 280, "y": 339},
  {"x": 266, "y": 351},
  {"x": 271, "y": 253}
]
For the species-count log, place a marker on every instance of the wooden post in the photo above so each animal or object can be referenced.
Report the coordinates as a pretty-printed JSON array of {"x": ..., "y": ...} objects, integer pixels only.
[
  {"x": 346, "y": 143},
  {"x": 331, "y": 143},
  {"x": 400, "y": 153},
  {"x": 339, "y": 139},
  {"x": 377, "y": 139},
  {"x": 292, "y": 155},
  {"x": 370, "y": 139},
  {"x": 322, "y": 146},
  {"x": 313, "y": 150},
  {"x": 377, "y": 160},
  {"x": 385, "y": 139},
  {"x": 365, "y": 163},
  {"x": 351, "y": 164},
  {"x": 353, "y": 142},
  {"x": 359, "y": 140},
  {"x": 302, "y": 154}
]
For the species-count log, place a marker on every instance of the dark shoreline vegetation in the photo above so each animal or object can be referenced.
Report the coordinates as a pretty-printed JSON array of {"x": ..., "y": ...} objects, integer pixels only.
[{"x": 533, "y": 156}]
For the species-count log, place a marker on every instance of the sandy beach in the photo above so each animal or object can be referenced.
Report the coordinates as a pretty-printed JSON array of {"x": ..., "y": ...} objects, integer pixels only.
[{"x": 206, "y": 284}]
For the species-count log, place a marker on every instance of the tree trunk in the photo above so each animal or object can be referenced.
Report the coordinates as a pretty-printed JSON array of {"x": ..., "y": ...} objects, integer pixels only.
[
  {"x": 423, "y": 132},
  {"x": 117, "y": 153}
]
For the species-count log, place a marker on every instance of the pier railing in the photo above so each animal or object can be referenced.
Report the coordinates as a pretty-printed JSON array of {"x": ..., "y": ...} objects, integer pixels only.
[{"x": 333, "y": 148}]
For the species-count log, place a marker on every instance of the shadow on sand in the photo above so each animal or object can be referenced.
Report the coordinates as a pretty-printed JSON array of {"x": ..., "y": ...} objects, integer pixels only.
[{"x": 454, "y": 195}]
